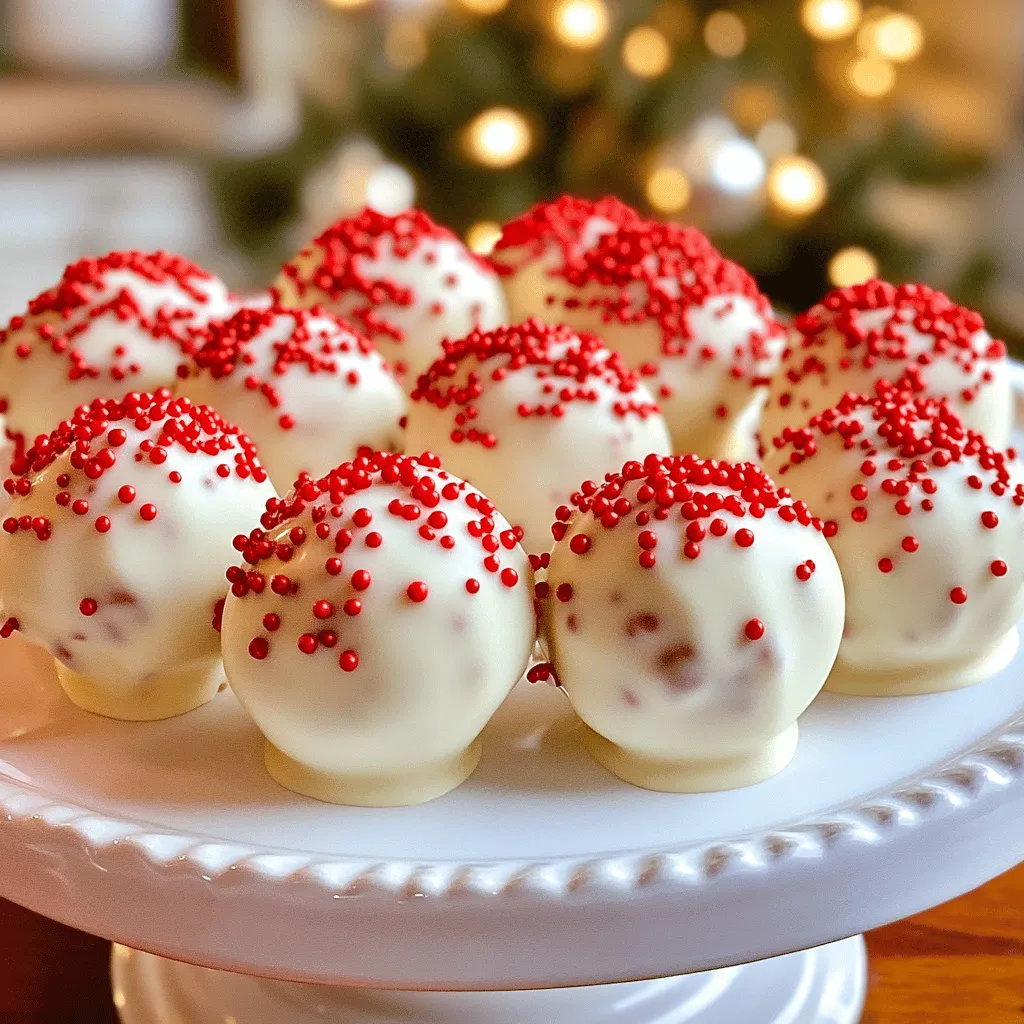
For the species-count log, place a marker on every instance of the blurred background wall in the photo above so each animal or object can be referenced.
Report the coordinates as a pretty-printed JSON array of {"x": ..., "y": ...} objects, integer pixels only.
[{"x": 818, "y": 141}]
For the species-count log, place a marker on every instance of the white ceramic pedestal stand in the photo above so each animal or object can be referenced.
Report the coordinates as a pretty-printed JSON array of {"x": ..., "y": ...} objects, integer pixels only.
[{"x": 543, "y": 872}]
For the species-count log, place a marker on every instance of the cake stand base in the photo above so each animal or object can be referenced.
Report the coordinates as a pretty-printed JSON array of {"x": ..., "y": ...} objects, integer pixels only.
[{"x": 818, "y": 986}]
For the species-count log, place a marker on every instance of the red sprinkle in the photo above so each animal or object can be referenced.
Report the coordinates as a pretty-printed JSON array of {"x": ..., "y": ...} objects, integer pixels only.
[{"x": 754, "y": 629}]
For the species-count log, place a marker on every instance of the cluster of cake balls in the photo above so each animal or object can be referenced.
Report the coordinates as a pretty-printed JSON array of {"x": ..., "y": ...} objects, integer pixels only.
[{"x": 362, "y": 497}]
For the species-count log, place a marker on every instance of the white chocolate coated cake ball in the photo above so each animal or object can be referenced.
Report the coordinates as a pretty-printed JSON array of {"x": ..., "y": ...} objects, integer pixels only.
[
  {"x": 527, "y": 412},
  {"x": 305, "y": 387},
  {"x": 112, "y": 325},
  {"x": 693, "y": 323},
  {"x": 536, "y": 248},
  {"x": 404, "y": 281},
  {"x": 859, "y": 335},
  {"x": 114, "y": 547},
  {"x": 926, "y": 522},
  {"x": 691, "y": 614},
  {"x": 383, "y": 614}
]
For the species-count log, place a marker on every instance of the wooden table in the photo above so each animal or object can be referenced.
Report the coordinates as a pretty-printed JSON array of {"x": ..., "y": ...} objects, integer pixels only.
[{"x": 962, "y": 963}]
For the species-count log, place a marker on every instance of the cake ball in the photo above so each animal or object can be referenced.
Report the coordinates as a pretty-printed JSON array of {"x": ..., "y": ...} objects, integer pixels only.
[
  {"x": 537, "y": 247},
  {"x": 691, "y": 613},
  {"x": 926, "y": 522},
  {"x": 111, "y": 325},
  {"x": 404, "y": 281},
  {"x": 302, "y": 384},
  {"x": 527, "y": 412},
  {"x": 858, "y": 335},
  {"x": 114, "y": 547},
  {"x": 381, "y": 615},
  {"x": 693, "y": 323}
]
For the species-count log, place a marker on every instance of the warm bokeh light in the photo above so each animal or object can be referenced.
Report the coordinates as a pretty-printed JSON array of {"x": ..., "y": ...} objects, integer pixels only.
[
  {"x": 897, "y": 37},
  {"x": 668, "y": 189},
  {"x": 346, "y": 5},
  {"x": 737, "y": 167},
  {"x": 871, "y": 77},
  {"x": 645, "y": 52},
  {"x": 775, "y": 139},
  {"x": 405, "y": 44},
  {"x": 482, "y": 236},
  {"x": 676, "y": 19},
  {"x": 852, "y": 265},
  {"x": 797, "y": 185},
  {"x": 830, "y": 19},
  {"x": 390, "y": 188},
  {"x": 484, "y": 7},
  {"x": 725, "y": 34},
  {"x": 581, "y": 24},
  {"x": 751, "y": 103},
  {"x": 498, "y": 137}
]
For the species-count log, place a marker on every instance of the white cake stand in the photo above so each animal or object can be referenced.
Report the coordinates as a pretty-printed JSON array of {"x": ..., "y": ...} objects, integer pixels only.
[{"x": 541, "y": 873}]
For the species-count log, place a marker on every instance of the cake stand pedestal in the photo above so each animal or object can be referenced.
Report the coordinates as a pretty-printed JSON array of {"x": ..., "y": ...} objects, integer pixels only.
[
  {"x": 824, "y": 985},
  {"x": 543, "y": 890}
]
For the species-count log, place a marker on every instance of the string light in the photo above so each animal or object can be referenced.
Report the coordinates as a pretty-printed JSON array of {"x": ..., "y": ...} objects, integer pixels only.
[
  {"x": 725, "y": 34},
  {"x": 897, "y": 37},
  {"x": 405, "y": 44},
  {"x": 737, "y": 167},
  {"x": 645, "y": 52},
  {"x": 498, "y": 137},
  {"x": 852, "y": 265},
  {"x": 751, "y": 103},
  {"x": 482, "y": 236},
  {"x": 797, "y": 185},
  {"x": 830, "y": 19},
  {"x": 871, "y": 77},
  {"x": 668, "y": 189},
  {"x": 775, "y": 139},
  {"x": 580, "y": 24},
  {"x": 484, "y": 7}
]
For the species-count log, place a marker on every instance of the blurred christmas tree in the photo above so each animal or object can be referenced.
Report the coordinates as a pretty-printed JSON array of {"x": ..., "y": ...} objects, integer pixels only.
[{"x": 776, "y": 126}]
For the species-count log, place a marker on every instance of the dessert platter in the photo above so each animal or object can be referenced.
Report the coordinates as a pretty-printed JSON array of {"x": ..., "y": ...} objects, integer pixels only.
[{"x": 556, "y": 636}]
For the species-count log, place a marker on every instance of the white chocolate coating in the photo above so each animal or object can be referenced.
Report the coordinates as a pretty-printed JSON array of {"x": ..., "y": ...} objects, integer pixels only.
[
  {"x": 146, "y": 647},
  {"x": 403, "y": 281},
  {"x": 398, "y": 725},
  {"x": 693, "y": 323},
  {"x": 111, "y": 326},
  {"x": 306, "y": 388},
  {"x": 694, "y": 669},
  {"x": 570, "y": 413},
  {"x": 859, "y": 335},
  {"x": 906, "y": 632}
]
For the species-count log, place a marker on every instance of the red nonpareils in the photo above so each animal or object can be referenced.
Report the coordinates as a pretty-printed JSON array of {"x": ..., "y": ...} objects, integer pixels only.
[
  {"x": 563, "y": 364},
  {"x": 958, "y": 595},
  {"x": 560, "y": 224},
  {"x": 311, "y": 341},
  {"x": 343, "y": 253},
  {"x": 87, "y": 606},
  {"x": 952, "y": 330},
  {"x": 258, "y": 648},
  {"x": 918, "y": 440},
  {"x": 417, "y": 591},
  {"x": 639, "y": 271},
  {"x": 166, "y": 422},
  {"x": 754, "y": 629},
  {"x": 580, "y": 544},
  {"x": 349, "y": 661},
  {"x": 85, "y": 293}
]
